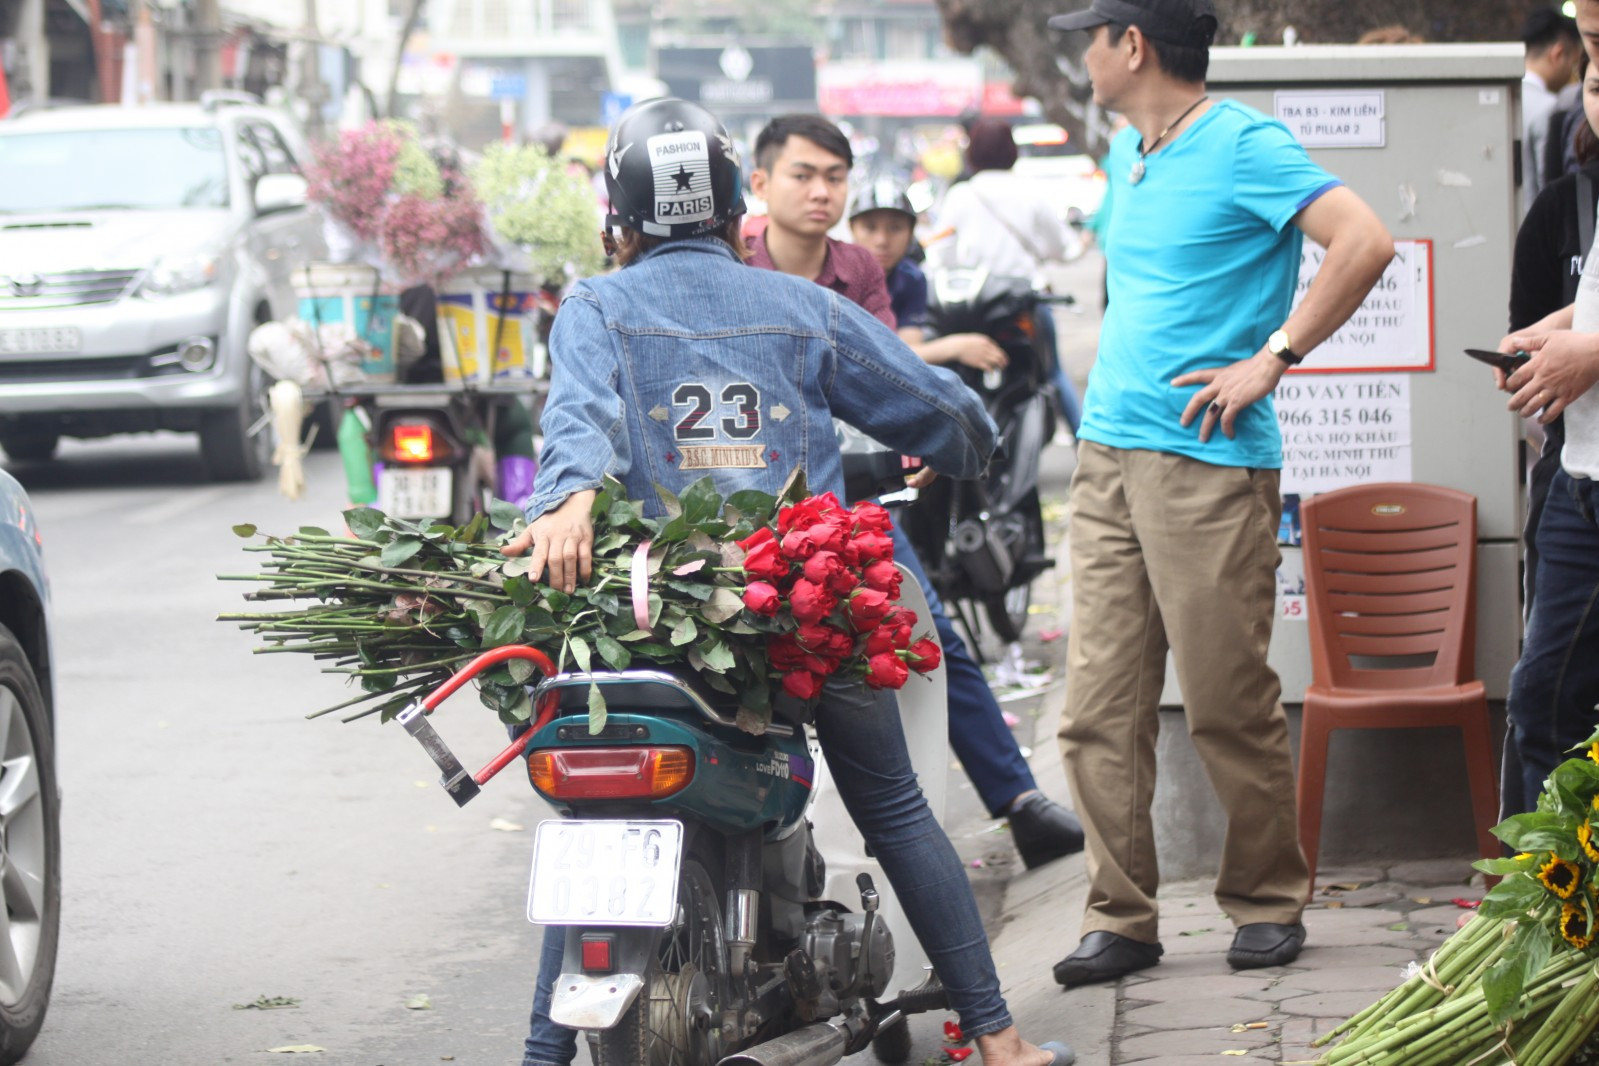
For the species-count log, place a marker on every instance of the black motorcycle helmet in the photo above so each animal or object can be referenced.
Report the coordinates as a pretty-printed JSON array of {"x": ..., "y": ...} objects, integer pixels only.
[
  {"x": 671, "y": 171},
  {"x": 881, "y": 193}
]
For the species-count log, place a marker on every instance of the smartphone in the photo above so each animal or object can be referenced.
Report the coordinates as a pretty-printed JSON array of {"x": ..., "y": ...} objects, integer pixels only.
[{"x": 1508, "y": 363}]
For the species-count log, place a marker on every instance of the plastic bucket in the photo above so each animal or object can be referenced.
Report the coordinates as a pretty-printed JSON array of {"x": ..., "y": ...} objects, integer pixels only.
[
  {"x": 356, "y": 296},
  {"x": 488, "y": 326}
]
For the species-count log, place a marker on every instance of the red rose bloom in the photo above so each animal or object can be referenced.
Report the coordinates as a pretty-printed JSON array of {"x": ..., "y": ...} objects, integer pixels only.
[
  {"x": 829, "y": 642},
  {"x": 802, "y": 515},
  {"x": 880, "y": 641},
  {"x": 760, "y": 536},
  {"x": 886, "y": 671},
  {"x": 927, "y": 655},
  {"x": 830, "y": 534},
  {"x": 900, "y": 616},
  {"x": 762, "y": 598},
  {"x": 843, "y": 583},
  {"x": 866, "y": 608},
  {"x": 883, "y": 576},
  {"x": 798, "y": 545},
  {"x": 765, "y": 562},
  {"x": 802, "y": 685},
  {"x": 810, "y": 602},
  {"x": 822, "y": 567},
  {"x": 872, "y": 546},
  {"x": 873, "y": 517}
]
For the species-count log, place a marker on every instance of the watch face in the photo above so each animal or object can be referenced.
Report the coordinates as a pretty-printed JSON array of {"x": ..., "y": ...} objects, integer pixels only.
[{"x": 1277, "y": 342}]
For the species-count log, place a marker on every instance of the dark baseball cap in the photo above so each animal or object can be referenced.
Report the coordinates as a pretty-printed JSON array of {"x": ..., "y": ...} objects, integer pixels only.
[{"x": 1185, "y": 22}]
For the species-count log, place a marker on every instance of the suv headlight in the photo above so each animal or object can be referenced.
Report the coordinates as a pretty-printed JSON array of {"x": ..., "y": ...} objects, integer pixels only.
[{"x": 176, "y": 274}]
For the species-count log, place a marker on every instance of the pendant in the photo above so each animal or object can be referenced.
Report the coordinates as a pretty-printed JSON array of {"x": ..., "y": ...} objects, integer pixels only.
[{"x": 1136, "y": 175}]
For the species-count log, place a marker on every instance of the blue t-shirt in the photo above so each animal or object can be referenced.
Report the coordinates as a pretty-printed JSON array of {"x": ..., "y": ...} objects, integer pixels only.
[
  {"x": 907, "y": 293},
  {"x": 1201, "y": 268}
]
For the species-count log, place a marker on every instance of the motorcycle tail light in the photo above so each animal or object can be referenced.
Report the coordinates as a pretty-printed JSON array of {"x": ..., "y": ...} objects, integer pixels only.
[
  {"x": 597, "y": 952},
  {"x": 411, "y": 443},
  {"x": 610, "y": 773},
  {"x": 1027, "y": 325}
]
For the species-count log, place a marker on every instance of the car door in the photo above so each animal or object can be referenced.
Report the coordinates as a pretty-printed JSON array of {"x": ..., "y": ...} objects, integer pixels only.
[{"x": 279, "y": 240}]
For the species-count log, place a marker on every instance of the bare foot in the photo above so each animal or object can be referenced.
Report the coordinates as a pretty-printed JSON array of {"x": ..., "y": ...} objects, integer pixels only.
[{"x": 1007, "y": 1048}]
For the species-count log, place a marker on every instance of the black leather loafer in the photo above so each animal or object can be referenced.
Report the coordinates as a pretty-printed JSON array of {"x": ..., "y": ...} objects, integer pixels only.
[
  {"x": 1043, "y": 830},
  {"x": 1105, "y": 956},
  {"x": 1265, "y": 944}
]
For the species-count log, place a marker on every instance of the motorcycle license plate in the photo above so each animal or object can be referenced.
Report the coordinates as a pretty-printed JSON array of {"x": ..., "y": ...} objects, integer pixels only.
[
  {"x": 605, "y": 873},
  {"x": 423, "y": 492}
]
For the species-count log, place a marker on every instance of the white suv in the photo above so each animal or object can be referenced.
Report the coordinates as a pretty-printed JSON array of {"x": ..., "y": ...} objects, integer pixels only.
[{"x": 138, "y": 248}]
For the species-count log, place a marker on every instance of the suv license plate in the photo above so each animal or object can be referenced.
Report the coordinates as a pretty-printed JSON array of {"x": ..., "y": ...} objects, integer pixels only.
[
  {"x": 605, "y": 873},
  {"x": 415, "y": 493},
  {"x": 40, "y": 340}
]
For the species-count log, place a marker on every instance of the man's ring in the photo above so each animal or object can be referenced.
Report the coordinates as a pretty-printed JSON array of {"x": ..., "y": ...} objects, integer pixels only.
[{"x": 1215, "y": 409}]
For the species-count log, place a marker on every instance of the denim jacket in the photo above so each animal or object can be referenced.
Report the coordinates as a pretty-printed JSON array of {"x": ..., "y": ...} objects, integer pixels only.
[{"x": 688, "y": 363}]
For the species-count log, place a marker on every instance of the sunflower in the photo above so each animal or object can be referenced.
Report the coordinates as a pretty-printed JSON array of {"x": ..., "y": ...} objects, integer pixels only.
[
  {"x": 1585, "y": 838},
  {"x": 1560, "y": 876},
  {"x": 1575, "y": 926},
  {"x": 1593, "y": 753}
]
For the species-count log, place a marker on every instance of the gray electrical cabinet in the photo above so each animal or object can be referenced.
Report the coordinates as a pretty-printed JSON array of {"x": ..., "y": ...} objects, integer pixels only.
[{"x": 1425, "y": 134}]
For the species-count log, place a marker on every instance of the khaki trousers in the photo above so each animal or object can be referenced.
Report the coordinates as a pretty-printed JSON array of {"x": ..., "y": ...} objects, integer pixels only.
[{"x": 1168, "y": 551}]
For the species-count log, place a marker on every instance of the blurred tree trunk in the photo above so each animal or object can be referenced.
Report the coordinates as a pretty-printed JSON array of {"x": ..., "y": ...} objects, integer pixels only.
[{"x": 1049, "y": 67}]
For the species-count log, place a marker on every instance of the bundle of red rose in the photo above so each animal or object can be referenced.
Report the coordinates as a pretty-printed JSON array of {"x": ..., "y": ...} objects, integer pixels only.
[{"x": 831, "y": 569}]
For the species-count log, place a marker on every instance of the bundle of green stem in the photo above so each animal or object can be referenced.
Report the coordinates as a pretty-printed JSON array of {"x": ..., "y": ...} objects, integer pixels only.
[
  {"x": 399, "y": 606},
  {"x": 1440, "y": 1016}
]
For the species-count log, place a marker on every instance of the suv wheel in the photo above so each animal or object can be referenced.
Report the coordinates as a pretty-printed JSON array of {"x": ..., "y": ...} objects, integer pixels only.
[
  {"x": 30, "y": 854},
  {"x": 237, "y": 445},
  {"x": 26, "y": 447}
]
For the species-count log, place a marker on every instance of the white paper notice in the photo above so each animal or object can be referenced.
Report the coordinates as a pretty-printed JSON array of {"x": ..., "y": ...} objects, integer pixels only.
[
  {"x": 1332, "y": 118},
  {"x": 1392, "y": 328},
  {"x": 1291, "y": 588},
  {"x": 1343, "y": 429}
]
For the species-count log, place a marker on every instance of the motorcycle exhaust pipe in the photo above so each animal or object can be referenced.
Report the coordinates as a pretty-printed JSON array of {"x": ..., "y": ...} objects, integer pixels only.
[{"x": 819, "y": 1044}]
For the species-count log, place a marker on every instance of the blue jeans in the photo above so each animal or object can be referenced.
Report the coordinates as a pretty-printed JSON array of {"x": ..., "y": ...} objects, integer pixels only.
[
  {"x": 1555, "y": 685},
  {"x": 864, "y": 744},
  {"x": 977, "y": 730}
]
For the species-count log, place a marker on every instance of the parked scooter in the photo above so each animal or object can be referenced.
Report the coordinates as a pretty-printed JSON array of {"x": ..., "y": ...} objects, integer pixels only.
[
  {"x": 982, "y": 541},
  {"x": 719, "y": 905}
]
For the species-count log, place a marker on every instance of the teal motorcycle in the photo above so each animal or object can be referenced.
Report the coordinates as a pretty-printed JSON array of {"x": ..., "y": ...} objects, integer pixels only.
[{"x": 719, "y": 905}]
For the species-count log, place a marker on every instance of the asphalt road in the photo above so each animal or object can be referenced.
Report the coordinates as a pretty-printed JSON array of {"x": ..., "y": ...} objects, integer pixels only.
[{"x": 219, "y": 848}]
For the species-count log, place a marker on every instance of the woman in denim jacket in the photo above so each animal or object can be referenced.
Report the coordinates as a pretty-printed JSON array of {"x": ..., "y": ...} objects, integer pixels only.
[{"x": 687, "y": 363}]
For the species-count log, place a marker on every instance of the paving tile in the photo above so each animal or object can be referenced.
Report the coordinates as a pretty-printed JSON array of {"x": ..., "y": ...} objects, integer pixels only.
[
  {"x": 1298, "y": 1035},
  {"x": 1330, "y": 1004},
  {"x": 1207, "y": 940},
  {"x": 1200, "y": 1060},
  {"x": 1206, "y": 1013},
  {"x": 1189, "y": 1043},
  {"x": 1346, "y": 979},
  {"x": 1369, "y": 896},
  {"x": 1319, "y": 956},
  {"x": 1352, "y": 934},
  {"x": 1433, "y": 871},
  {"x": 1160, "y": 989},
  {"x": 1445, "y": 917},
  {"x": 1182, "y": 966},
  {"x": 1340, "y": 875}
]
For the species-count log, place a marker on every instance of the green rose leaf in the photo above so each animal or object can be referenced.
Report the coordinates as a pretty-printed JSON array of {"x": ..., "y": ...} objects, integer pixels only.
[
  {"x": 364, "y": 522},
  {"x": 521, "y": 670},
  {"x": 519, "y": 710},
  {"x": 616, "y": 656},
  {"x": 581, "y": 654},
  {"x": 313, "y": 531},
  {"x": 723, "y": 606},
  {"x": 701, "y": 502},
  {"x": 504, "y": 627},
  {"x": 504, "y": 515},
  {"x": 684, "y": 632},
  {"x": 597, "y": 712},
  {"x": 246, "y": 530},
  {"x": 399, "y": 550}
]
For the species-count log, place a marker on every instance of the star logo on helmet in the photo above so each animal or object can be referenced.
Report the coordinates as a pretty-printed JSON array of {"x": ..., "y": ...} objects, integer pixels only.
[
  {"x": 683, "y": 178},
  {"x": 616, "y": 158}
]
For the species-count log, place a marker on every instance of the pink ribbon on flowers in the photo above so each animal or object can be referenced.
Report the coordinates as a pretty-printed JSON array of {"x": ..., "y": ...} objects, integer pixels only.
[{"x": 641, "y": 584}]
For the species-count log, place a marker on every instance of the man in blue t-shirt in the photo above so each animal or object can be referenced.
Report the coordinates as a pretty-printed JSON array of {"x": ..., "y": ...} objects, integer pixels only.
[{"x": 1174, "y": 525}]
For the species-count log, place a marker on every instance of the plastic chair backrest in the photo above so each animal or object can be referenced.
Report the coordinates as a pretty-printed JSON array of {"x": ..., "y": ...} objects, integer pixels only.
[{"x": 1390, "y": 578}]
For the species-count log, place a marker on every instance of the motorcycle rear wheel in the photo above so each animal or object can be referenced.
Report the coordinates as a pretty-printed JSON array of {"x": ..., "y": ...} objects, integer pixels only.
[{"x": 673, "y": 1020}]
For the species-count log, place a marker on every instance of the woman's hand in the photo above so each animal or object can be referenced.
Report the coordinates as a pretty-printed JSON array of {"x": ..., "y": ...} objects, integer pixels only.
[{"x": 563, "y": 539}]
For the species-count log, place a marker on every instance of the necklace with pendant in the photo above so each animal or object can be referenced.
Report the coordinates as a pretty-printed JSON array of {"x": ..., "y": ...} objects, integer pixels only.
[{"x": 1136, "y": 175}]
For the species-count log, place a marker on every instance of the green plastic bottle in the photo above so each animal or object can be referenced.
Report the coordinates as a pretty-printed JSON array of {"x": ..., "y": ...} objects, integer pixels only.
[{"x": 353, "y": 428}]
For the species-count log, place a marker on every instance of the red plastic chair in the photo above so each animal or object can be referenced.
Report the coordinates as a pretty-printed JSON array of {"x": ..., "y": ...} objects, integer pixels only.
[{"x": 1390, "y": 577}]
